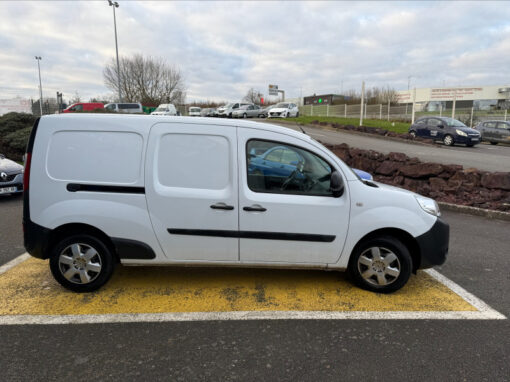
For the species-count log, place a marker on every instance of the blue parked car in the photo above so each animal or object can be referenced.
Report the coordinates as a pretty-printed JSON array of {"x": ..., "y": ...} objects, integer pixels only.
[
  {"x": 283, "y": 168},
  {"x": 445, "y": 129}
]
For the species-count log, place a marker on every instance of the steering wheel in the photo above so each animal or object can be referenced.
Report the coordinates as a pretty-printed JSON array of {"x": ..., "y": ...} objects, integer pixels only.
[
  {"x": 312, "y": 184},
  {"x": 289, "y": 179}
]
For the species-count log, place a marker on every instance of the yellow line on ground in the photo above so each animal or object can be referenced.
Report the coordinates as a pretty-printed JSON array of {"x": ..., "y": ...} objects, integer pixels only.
[{"x": 29, "y": 289}]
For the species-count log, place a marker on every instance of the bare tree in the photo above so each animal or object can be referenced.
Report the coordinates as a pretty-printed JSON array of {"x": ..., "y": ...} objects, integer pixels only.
[
  {"x": 76, "y": 98},
  {"x": 253, "y": 96},
  {"x": 148, "y": 80}
]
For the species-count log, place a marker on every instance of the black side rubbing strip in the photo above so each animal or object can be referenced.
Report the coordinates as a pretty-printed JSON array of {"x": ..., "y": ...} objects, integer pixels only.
[
  {"x": 74, "y": 187},
  {"x": 254, "y": 235},
  {"x": 132, "y": 249}
]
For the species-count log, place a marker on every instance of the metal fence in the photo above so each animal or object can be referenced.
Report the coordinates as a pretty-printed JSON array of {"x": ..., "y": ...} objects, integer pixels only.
[{"x": 388, "y": 112}]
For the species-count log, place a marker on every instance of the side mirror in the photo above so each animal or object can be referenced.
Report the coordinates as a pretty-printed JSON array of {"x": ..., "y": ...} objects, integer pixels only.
[{"x": 336, "y": 184}]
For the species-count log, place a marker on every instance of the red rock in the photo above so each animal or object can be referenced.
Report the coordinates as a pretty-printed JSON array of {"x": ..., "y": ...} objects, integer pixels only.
[
  {"x": 387, "y": 168},
  {"x": 421, "y": 170},
  {"x": 398, "y": 157},
  {"x": 499, "y": 180}
]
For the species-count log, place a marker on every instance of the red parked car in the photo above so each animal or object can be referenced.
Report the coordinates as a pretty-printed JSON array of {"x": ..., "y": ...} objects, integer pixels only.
[{"x": 83, "y": 106}]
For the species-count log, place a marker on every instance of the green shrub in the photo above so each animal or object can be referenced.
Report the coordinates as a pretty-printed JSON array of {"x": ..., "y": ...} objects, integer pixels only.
[
  {"x": 17, "y": 140},
  {"x": 13, "y": 121}
]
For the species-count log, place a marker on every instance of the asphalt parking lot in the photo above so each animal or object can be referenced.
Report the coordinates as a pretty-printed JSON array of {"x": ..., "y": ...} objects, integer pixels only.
[{"x": 283, "y": 349}]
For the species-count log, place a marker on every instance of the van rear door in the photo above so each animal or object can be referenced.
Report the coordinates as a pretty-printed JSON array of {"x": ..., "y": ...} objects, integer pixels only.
[{"x": 191, "y": 190}]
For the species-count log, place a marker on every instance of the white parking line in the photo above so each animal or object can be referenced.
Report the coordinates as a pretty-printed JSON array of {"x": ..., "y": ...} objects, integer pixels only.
[{"x": 484, "y": 311}]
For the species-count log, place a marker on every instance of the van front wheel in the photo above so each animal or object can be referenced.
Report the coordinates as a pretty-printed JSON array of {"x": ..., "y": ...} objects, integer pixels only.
[
  {"x": 382, "y": 264},
  {"x": 81, "y": 263}
]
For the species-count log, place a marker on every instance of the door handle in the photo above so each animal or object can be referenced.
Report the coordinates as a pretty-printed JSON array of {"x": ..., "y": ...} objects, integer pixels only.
[
  {"x": 222, "y": 206},
  {"x": 255, "y": 208}
]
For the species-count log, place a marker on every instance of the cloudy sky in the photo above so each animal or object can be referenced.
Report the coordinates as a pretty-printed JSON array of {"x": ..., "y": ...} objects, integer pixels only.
[{"x": 225, "y": 48}]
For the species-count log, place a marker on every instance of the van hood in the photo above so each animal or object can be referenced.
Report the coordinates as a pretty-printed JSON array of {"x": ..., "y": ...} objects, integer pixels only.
[
  {"x": 393, "y": 188},
  {"x": 10, "y": 167}
]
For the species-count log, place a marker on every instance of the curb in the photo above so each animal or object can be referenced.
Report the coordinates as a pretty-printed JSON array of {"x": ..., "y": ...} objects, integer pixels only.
[{"x": 490, "y": 214}]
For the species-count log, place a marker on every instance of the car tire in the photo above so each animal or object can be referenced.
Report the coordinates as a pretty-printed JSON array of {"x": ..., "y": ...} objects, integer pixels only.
[
  {"x": 448, "y": 140},
  {"x": 494, "y": 143},
  {"x": 381, "y": 264},
  {"x": 76, "y": 258},
  {"x": 297, "y": 114},
  {"x": 412, "y": 133},
  {"x": 245, "y": 116}
]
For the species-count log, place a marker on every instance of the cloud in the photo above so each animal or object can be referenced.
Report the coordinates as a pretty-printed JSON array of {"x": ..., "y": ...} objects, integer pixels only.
[{"x": 224, "y": 48}]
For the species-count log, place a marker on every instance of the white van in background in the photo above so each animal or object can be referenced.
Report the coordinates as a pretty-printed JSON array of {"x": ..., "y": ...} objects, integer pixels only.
[
  {"x": 165, "y": 109},
  {"x": 131, "y": 108},
  {"x": 183, "y": 191},
  {"x": 194, "y": 111}
]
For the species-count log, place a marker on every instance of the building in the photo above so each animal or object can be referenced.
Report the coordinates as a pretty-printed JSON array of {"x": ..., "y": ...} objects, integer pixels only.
[
  {"x": 17, "y": 104},
  {"x": 324, "y": 99},
  {"x": 479, "y": 97}
]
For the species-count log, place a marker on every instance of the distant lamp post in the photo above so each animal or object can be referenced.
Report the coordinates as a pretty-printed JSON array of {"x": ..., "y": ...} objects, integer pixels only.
[
  {"x": 38, "y": 58},
  {"x": 114, "y": 4}
]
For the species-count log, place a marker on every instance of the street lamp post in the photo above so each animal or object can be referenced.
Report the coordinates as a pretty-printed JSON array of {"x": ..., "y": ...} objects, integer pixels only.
[
  {"x": 114, "y": 4},
  {"x": 39, "y": 58}
]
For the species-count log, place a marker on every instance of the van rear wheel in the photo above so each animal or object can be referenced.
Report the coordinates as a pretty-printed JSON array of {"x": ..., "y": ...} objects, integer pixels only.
[
  {"x": 81, "y": 263},
  {"x": 382, "y": 264}
]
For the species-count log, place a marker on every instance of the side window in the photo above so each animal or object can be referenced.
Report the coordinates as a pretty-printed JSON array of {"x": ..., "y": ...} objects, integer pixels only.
[
  {"x": 502, "y": 125},
  {"x": 432, "y": 122},
  {"x": 490, "y": 124},
  {"x": 275, "y": 167},
  {"x": 421, "y": 122},
  {"x": 78, "y": 107},
  {"x": 110, "y": 107},
  {"x": 235, "y": 106}
]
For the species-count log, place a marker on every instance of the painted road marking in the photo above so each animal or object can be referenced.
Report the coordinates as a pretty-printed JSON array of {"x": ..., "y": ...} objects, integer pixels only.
[{"x": 159, "y": 294}]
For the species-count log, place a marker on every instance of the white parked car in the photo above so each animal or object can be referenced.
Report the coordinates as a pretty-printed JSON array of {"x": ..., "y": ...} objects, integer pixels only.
[
  {"x": 181, "y": 191},
  {"x": 165, "y": 109},
  {"x": 283, "y": 110},
  {"x": 194, "y": 111},
  {"x": 228, "y": 109},
  {"x": 132, "y": 107}
]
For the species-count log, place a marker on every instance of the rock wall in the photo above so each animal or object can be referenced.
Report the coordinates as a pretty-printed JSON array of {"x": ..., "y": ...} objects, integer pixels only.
[{"x": 447, "y": 183}]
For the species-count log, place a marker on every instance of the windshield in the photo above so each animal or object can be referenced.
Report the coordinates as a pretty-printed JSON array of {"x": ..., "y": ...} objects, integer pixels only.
[
  {"x": 282, "y": 105},
  {"x": 453, "y": 122},
  {"x": 161, "y": 108},
  {"x": 194, "y": 109},
  {"x": 228, "y": 106}
]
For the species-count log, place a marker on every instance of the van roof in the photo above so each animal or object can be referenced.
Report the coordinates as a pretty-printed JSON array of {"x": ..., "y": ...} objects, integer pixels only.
[{"x": 152, "y": 119}]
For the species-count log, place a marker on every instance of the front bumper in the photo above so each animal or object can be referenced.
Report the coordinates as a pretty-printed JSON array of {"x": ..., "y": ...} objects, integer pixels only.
[
  {"x": 469, "y": 140},
  {"x": 16, "y": 181},
  {"x": 433, "y": 244}
]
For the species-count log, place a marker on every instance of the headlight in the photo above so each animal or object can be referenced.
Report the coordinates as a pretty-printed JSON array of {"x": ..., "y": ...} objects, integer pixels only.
[
  {"x": 428, "y": 205},
  {"x": 461, "y": 133}
]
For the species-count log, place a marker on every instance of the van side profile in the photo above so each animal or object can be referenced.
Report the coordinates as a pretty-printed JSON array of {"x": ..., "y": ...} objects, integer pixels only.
[
  {"x": 180, "y": 191},
  {"x": 83, "y": 106}
]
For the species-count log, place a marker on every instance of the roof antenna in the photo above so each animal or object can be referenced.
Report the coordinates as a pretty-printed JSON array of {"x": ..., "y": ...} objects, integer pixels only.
[{"x": 302, "y": 130}]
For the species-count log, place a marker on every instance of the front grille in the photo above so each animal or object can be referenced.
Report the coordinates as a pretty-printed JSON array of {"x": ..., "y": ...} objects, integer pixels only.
[{"x": 9, "y": 178}]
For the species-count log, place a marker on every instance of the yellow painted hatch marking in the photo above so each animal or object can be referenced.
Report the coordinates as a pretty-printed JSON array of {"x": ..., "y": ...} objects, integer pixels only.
[{"x": 29, "y": 289}]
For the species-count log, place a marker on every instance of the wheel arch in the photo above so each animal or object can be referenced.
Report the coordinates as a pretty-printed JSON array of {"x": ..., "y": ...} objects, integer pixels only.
[
  {"x": 405, "y": 237},
  {"x": 81, "y": 228}
]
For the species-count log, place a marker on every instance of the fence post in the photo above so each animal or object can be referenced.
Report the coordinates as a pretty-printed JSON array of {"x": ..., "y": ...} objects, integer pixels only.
[
  {"x": 414, "y": 102},
  {"x": 345, "y": 111},
  {"x": 454, "y": 102},
  {"x": 472, "y": 110},
  {"x": 388, "y": 110},
  {"x": 506, "y": 112},
  {"x": 380, "y": 111},
  {"x": 440, "y": 109},
  {"x": 311, "y": 110},
  {"x": 366, "y": 111},
  {"x": 327, "y": 110},
  {"x": 362, "y": 102}
]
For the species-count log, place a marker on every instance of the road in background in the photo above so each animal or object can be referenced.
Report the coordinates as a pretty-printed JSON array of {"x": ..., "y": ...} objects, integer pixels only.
[
  {"x": 287, "y": 350},
  {"x": 482, "y": 157}
]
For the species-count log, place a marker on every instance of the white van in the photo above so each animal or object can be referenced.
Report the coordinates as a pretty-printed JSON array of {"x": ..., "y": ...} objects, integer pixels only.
[
  {"x": 194, "y": 111},
  {"x": 138, "y": 190},
  {"x": 131, "y": 108},
  {"x": 165, "y": 109}
]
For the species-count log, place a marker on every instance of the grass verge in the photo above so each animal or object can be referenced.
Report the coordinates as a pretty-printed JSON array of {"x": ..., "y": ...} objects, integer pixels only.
[{"x": 398, "y": 127}]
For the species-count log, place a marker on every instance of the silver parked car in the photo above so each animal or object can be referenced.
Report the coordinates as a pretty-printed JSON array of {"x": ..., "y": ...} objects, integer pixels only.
[
  {"x": 494, "y": 131},
  {"x": 11, "y": 176},
  {"x": 246, "y": 111}
]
